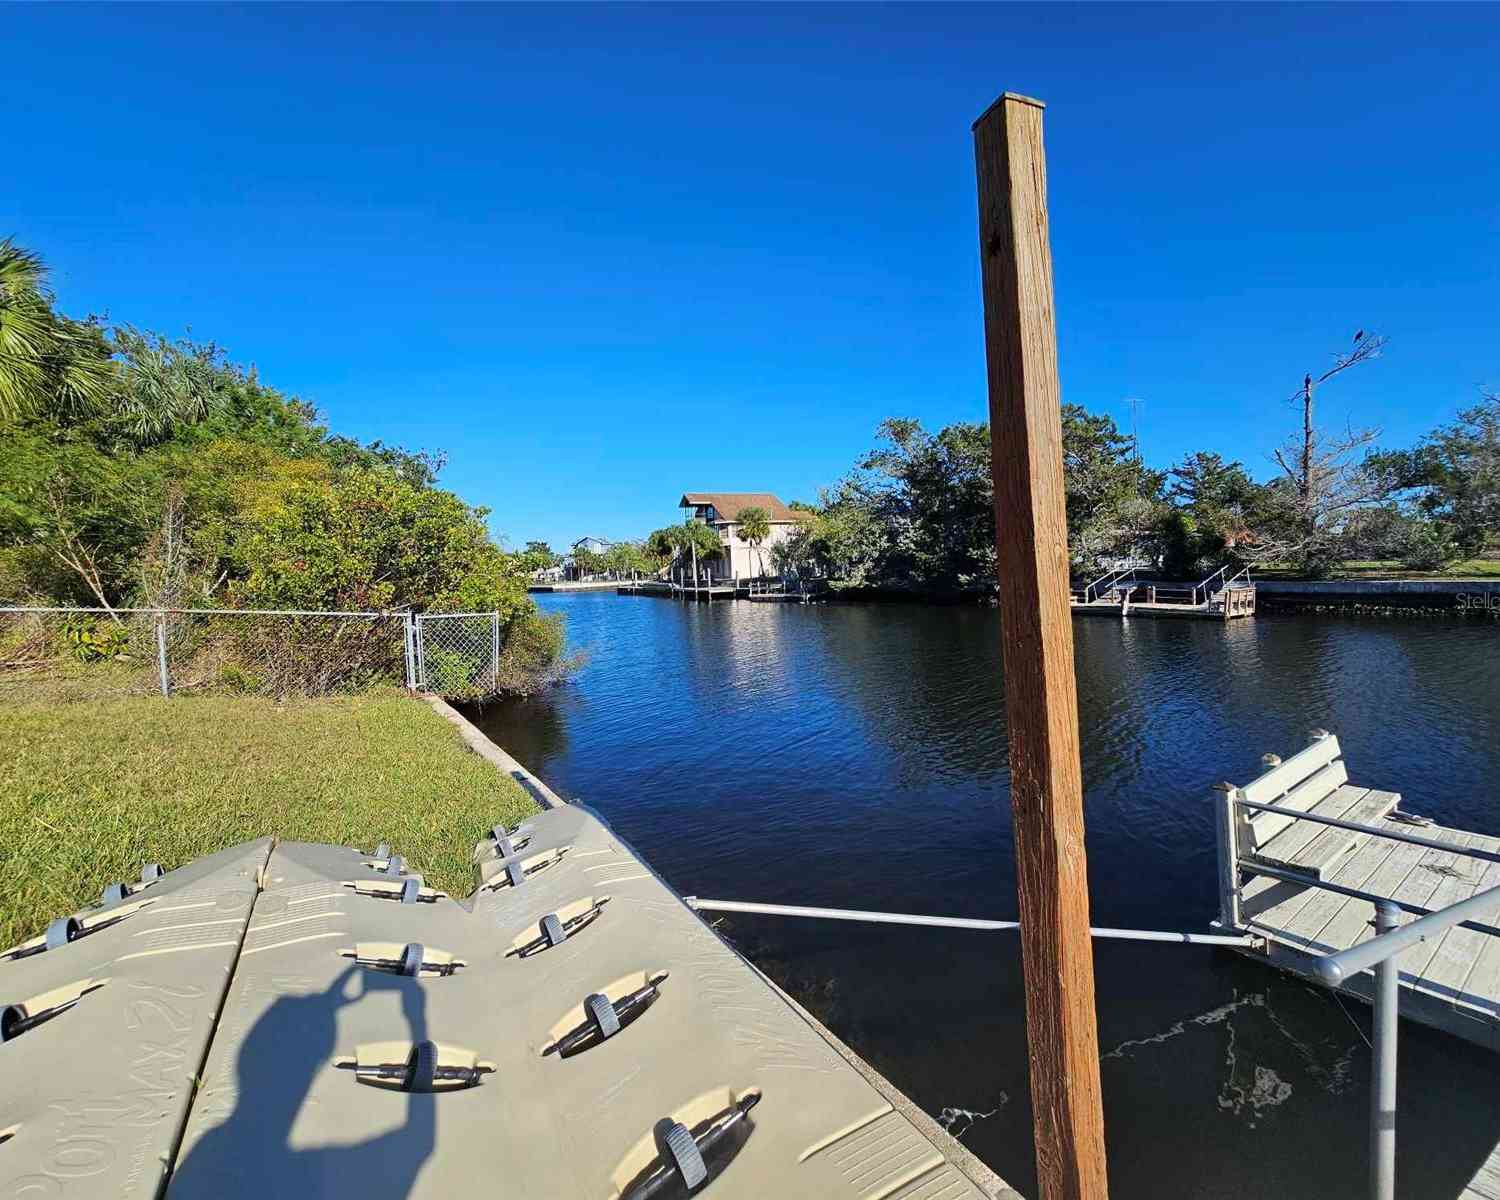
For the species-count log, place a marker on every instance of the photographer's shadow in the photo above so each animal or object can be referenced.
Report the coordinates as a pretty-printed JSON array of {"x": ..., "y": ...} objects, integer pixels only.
[{"x": 280, "y": 1057}]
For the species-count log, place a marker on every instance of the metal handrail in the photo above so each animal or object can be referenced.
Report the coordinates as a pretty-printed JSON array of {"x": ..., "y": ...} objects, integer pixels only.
[
  {"x": 1377, "y": 831},
  {"x": 1089, "y": 589},
  {"x": 1339, "y": 889},
  {"x": 1109, "y": 579},
  {"x": 1380, "y": 953},
  {"x": 699, "y": 904},
  {"x": 1203, "y": 584},
  {"x": 1336, "y": 969}
]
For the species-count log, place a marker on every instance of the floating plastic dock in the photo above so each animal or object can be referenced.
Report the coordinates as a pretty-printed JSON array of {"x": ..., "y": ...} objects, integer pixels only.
[{"x": 308, "y": 1020}]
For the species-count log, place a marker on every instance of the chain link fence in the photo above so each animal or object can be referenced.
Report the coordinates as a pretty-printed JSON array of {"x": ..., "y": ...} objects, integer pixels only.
[
  {"x": 457, "y": 654},
  {"x": 95, "y": 651}
]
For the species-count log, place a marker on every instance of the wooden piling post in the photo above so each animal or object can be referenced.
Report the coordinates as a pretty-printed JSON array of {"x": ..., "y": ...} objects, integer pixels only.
[{"x": 1037, "y": 634}]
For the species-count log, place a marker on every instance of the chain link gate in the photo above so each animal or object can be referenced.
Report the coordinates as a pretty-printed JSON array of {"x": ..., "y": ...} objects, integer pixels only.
[{"x": 456, "y": 654}]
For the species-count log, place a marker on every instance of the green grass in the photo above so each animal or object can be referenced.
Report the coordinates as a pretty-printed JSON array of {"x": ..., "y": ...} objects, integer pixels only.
[
  {"x": 1474, "y": 568},
  {"x": 89, "y": 790}
]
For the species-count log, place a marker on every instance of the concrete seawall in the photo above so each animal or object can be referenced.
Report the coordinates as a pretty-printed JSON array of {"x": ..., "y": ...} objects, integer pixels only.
[
  {"x": 1477, "y": 596},
  {"x": 476, "y": 741}
]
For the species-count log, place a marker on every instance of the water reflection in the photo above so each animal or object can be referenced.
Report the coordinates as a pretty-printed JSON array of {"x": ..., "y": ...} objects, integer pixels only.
[{"x": 855, "y": 755}]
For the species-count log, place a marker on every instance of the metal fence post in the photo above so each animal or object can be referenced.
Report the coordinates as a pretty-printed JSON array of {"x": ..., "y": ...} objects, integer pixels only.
[
  {"x": 1383, "y": 1086},
  {"x": 495, "y": 650},
  {"x": 409, "y": 631},
  {"x": 161, "y": 654}
]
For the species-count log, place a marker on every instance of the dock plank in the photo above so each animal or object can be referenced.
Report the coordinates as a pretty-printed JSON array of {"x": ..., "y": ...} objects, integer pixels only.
[
  {"x": 1312, "y": 796},
  {"x": 1451, "y": 984},
  {"x": 1486, "y": 1182},
  {"x": 1327, "y": 848},
  {"x": 1481, "y": 989},
  {"x": 1299, "y": 916},
  {"x": 1452, "y": 888},
  {"x": 1354, "y": 918},
  {"x": 1448, "y": 970},
  {"x": 1432, "y": 869}
]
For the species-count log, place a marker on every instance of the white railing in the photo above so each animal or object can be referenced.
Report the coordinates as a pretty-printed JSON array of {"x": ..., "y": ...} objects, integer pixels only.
[
  {"x": 1379, "y": 955},
  {"x": 1205, "y": 588},
  {"x": 1108, "y": 582}
]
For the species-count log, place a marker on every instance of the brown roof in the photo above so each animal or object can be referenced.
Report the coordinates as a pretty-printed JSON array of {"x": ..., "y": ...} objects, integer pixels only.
[{"x": 730, "y": 504}]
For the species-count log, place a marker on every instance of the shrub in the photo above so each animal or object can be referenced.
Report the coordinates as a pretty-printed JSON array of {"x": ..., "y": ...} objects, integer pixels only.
[
  {"x": 1429, "y": 547},
  {"x": 531, "y": 657}
]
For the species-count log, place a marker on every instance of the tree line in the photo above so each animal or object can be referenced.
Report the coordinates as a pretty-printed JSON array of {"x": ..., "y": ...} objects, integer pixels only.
[
  {"x": 916, "y": 511},
  {"x": 146, "y": 471}
]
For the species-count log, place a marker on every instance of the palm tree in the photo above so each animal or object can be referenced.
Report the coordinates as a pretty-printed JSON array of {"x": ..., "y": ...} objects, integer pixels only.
[
  {"x": 47, "y": 362},
  {"x": 164, "y": 385},
  {"x": 661, "y": 546},
  {"x": 696, "y": 537},
  {"x": 755, "y": 528}
]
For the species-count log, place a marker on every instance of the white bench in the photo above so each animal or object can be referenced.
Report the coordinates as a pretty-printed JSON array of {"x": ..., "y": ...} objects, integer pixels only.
[{"x": 1312, "y": 781}]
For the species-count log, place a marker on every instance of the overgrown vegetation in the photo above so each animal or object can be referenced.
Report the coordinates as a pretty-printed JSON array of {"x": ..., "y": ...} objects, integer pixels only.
[
  {"x": 145, "y": 471},
  {"x": 92, "y": 790},
  {"x": 916, "y": 512}
]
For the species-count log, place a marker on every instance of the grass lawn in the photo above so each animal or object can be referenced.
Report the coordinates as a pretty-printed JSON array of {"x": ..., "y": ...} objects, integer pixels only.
[
  {"x": 1474, "y": 568},
  {"x": 91, "y": 789}
]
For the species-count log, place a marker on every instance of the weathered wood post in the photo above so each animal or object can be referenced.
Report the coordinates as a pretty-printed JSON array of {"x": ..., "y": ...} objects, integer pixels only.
[{"x": 1041, "y": 699}]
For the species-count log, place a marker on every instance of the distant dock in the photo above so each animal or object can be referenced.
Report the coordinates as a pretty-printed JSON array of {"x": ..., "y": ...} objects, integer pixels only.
[
  {"x": 1120, "y": 593},
  {"x": 564, "y": 585},
  {"x": 758, "y": 589}
]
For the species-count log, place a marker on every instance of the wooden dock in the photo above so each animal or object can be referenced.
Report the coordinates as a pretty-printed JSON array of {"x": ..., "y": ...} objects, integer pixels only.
[
  {"x": 705, "y": 591},
  {"x": 1307, "y": 888},
  {"x": 1238, "y": 603},
  {"x": 1120, "y": 593},
  {"x": 760, "y": 590}
]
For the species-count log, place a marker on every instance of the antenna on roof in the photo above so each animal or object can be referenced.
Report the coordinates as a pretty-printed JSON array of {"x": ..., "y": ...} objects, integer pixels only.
[{"x": 1135, "y": 403}]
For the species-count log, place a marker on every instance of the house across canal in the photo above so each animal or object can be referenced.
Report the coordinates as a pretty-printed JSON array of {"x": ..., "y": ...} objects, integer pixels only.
[{"x": 722, "y": 511}]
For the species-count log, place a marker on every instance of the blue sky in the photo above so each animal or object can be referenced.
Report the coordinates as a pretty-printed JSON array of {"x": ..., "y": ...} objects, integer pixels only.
[{"x": 603, "y": 255}]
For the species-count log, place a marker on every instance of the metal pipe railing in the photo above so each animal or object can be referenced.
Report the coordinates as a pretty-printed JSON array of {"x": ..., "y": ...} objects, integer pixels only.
[
  {"x": 1306, "y": 881},
  {"x": 890, "y": 918},
  {"x": 1387, "y": 1001},
  {"x": 1335, "y": 969},
  {"x": 1354, "y": 826},
  {"x": 1380, "y": 953},
  {"x": 1090, "y": 590},
  {"x": 1203, "y": 584}
]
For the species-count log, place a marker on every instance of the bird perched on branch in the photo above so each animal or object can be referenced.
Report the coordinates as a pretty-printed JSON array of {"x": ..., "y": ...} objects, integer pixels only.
[{"x": 1358, "y": 337}]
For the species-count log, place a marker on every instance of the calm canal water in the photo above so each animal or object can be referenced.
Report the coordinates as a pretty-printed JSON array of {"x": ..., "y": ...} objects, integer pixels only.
[{"x": 855, "y": 756}]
